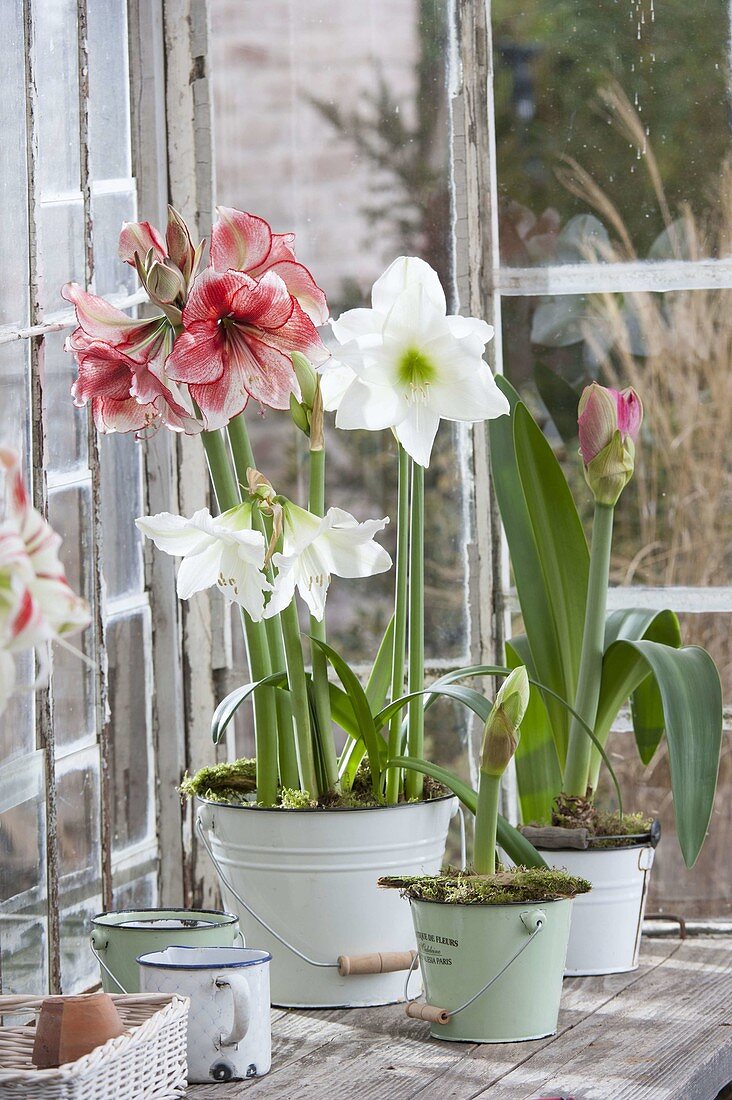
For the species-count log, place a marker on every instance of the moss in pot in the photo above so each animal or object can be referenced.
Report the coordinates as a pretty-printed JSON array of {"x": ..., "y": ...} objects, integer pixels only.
[{"x": 492, "y": 940}]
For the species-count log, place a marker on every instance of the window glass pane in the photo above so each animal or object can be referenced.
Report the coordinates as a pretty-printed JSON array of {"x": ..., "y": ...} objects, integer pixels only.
[
  {"x": 357, "y": 164},
  {"x": 133, "y": 803},
  {"x": 61, "y": 250},
  {"x": 23, "y": 924},
  {"x": 14, "y": 396},
  {"x": 78, "y": 831},
  {"x": 57, "y": 84},
  {"x": 109, "y": 97},
  {"x": 674, "y": 521},
  {"x": 17, "y": 729},
  {"x": 66, "y": 443},
  {"x": 108, "y": 212},
  {"x": 628, "y": 98},
  {"x": 121, "y": 462},
  {"x": 69, "y": 512},
  {"x": 13, "y": 260},
  {"x": 142, "y": 893}
]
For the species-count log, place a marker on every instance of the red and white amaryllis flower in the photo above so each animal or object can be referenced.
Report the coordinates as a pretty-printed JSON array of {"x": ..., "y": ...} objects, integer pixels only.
[
  {"x": 121, "y": 364},
  {"x": 244, "y": 242},
  {"x": 239, "y": 333},
  {"x": 37, "y": 604}
]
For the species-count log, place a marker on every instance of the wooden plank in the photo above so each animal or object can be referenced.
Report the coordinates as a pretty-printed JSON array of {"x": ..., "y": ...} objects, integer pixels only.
[
  {"x": 666, "y": 1037},
  {"x": 379, "y": 1052}
]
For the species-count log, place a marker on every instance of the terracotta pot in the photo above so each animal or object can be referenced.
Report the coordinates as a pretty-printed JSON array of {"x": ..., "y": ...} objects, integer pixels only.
[{"x": 70, "y": 1027}]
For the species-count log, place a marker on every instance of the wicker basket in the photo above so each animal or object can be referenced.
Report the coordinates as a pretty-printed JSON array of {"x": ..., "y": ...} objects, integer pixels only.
[{"x": 148, "y": 1062}]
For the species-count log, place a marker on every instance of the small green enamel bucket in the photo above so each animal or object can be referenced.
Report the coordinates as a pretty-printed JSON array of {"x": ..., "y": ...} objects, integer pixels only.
[
  {"x": 492, "y": 973},
  {"x": 118, "y": 938}
]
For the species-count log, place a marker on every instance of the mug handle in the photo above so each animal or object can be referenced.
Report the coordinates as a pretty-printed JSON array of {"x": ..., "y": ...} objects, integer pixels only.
[{"x": 239, "y": 987}]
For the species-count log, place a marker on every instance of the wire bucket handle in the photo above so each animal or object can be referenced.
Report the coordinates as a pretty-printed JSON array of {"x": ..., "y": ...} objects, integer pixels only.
[
  {"x": 386, "y": 962},
  {"x": 533, "y": 921}
]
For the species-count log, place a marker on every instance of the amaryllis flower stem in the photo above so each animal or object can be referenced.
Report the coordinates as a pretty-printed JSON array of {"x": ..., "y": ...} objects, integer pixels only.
[
  {"x": 241, "y": 450},
  {"x": 265, "y": 719},
  {"x": 324, "y": 732},
  {"x": 415, "y": 723},
  {"x": 579, "y": 750},
  {"x": 486, "y": 824},
  {"x": 300, "y": 704},
  {"x": 401, "y": 605}
]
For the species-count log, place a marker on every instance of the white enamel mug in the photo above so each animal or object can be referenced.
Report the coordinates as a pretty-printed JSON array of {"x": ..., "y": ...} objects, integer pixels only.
[{"x": 229, "y": 1031}]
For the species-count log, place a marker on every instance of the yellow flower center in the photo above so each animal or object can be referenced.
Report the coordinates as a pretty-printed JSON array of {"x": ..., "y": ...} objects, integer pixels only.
[{"x": 416, "y": 371}]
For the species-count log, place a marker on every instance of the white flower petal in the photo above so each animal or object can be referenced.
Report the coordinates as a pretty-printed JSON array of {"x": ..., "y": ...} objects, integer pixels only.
[
  {"x": 200, "y": 570},
  {"x": 348, "y": 549},
  {"x": 370, "y": 407},
  {"x": 417, "y": 432},
  {"x": 468, "y": 397},
  {"x": 413, "y": 320},
  {"x": 407, "y": 271},
  {"x": 462, "y": 327},
  {"x": 284, "y": 586},
  {"x": 172, "y": 534},
  {"x": 354, "y": 323},
  {"x": 334, "y": 381},
  {"x": 242, "y": 582}
]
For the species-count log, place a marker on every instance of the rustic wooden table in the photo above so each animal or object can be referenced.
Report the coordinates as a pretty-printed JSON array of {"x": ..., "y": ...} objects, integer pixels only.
[{"x": 661, "y": 1033}]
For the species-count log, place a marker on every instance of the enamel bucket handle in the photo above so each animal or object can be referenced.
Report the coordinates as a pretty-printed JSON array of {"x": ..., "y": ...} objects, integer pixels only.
[
  {"x": 99, "y": 942},
  {"x": 239, "y": 987}
]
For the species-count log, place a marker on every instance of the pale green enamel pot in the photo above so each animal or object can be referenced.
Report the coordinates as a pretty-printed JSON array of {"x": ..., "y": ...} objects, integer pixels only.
[
  {"x": 118, "y": 938},
  {"x": 461, "y": 947}
]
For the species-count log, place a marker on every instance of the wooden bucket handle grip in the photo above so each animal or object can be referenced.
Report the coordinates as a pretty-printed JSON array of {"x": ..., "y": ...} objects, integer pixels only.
[
  {"x": 386, "y": 962},
  {"x": 435, "y": 1015}
]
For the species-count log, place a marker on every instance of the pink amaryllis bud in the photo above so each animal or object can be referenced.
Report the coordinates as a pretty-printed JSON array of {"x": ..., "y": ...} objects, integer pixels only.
[
  {"x": 609, "y": 422},
  {"x": 140, "y": 238},
  {"x": 602, "y": 412}
]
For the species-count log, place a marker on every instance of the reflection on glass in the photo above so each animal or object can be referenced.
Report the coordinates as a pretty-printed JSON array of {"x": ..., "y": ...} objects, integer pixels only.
[
  {"x": 17, "y": 729},
  {"x": 66, "y": 426},
  {"x": 78, "y": 834},
  {"x": 108, "y": 213},
  {"x": 109, "y": 90},
  {"x": 69, "y": 512},
  {"x": 56, "y": 71},
  {"x": 132, "y": 797},
  {"x": 14, "y": 396},
  {"x": 674, "y": 521},
  {"x": 142, "y": 893},
  {"x": 585, "y": 122},
  {"x": 121, "y": 492},
  {"x": 13, "y": 285},
  {"x": 343, "y": 138},
  {"x": 23, "y": 926}
]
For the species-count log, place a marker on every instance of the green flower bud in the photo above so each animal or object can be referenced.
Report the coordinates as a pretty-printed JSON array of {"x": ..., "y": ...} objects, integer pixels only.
[
  {"x": 306, "y": 376},
  {"x": 502, "y": 729},
  {"x": 610, "y": 471}
]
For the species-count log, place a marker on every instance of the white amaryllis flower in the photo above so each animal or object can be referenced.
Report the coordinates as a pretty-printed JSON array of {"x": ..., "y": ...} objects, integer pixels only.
[
  {"x": 405, "y": 364},
  {"x": 221, "y": 550},
  {"x": 315, "y": 548},
  {"x": 37, "y": 604}
]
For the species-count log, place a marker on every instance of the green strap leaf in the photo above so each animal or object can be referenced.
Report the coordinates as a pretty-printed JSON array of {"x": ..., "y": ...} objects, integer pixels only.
[
  {"x": 691, "y": 694},
  {"x": 538, "y": 774},
  {"x": 469, "y": 697},
  {"x": 228, "y": 707},
  {"x": 514, "y": 843},
  {"x": 625, "y": 673},
  {"x": 379, "y": 681},
  {"x": 539, "y": 518},
  {"x": 366, "y": 726},
  {"x": 561, "y": 550}
]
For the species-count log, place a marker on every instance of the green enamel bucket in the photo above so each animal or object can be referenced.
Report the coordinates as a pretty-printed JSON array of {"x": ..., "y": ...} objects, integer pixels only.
[
  {"x": 118, "y": 938},
  {"x": 518, "y": 951}
]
